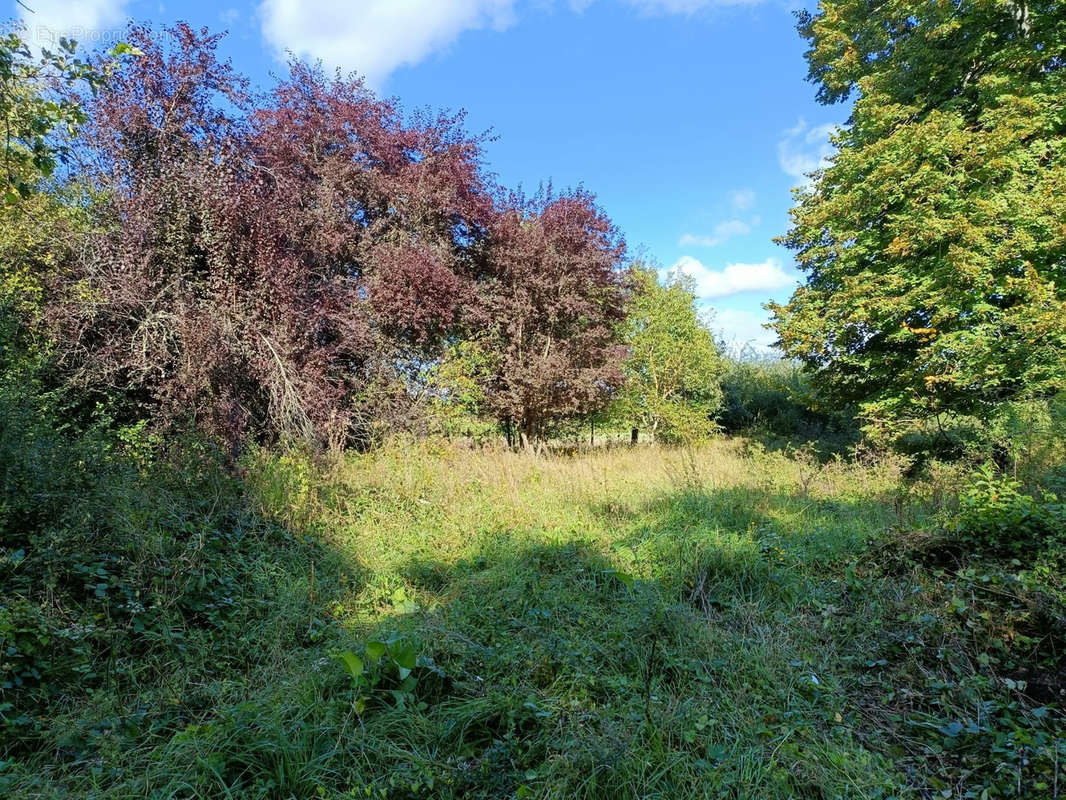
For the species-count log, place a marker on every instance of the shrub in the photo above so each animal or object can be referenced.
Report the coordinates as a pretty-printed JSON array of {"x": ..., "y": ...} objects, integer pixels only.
[
  {"x": 997, "y": 517},
  {"x": 121, "y": 562},
  {"x": 774, "y": 395}
]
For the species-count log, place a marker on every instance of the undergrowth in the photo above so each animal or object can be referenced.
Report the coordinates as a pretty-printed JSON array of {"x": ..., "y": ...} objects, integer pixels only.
[{"x": 429, "y": 621}]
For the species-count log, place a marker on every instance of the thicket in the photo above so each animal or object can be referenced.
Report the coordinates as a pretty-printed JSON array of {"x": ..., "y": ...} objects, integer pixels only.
[{"x": 294, "y": 265}]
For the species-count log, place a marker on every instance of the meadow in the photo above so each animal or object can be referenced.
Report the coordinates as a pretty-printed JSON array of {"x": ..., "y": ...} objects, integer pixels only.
[
  {"x": 733, "y": 619},
  {"x": 333, "y": 467}
]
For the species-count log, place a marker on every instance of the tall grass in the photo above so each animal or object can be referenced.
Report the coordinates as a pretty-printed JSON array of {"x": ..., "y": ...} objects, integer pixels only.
[{"x": 719, "y": 621}]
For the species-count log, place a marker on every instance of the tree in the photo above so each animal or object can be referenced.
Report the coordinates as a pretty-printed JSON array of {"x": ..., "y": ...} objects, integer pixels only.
[
  {"x": 934, "y": 243},
  {"x": 547, "y": 317},
  {"x": 395, "y": 210},
  {"x": 673, "y": 370},
  {"x": 145, "y": 314},
  {"x": 39, "y": 115},
  {"x": 277, "y": 267}
]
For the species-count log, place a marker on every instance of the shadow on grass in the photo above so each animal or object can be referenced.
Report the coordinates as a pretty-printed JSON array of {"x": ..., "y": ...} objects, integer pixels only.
[{"x": 649, "y": 657}]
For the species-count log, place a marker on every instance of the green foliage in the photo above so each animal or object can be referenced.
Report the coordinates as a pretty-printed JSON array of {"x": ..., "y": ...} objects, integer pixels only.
[
  {"x": 673, "y": 368},
  {"x": 772, "y": 400},
  {"x": 38, "y": 111},
  {"x": 965, "y": 667},
  {"x": 116, "y": 559},
  {"x": 996, "y": 516},
  {"x": 37, "y": 229},
  {"x": 933, "y": 241},
  {"x": 454, "y": 384},
  {"x": 35, "y": 235},
  {"x": 770, "y": 394},
  {"x": 392, "y": 667},
  {"x": 1031, "y": 436}
]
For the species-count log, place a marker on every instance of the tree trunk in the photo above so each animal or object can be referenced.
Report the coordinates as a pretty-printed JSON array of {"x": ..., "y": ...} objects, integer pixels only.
[{"x": 633, "y": 434}]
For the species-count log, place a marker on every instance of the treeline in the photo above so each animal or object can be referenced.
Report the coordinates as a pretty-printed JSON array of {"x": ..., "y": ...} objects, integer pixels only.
[
  {"x": 299, "y": 263},
  {"x": 311, "y": 263}
]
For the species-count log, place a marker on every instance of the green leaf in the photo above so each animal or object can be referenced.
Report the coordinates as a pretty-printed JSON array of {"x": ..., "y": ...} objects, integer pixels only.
[
  {"x": 124, "y": 49},
  {"x": 952, "y": 729},
  {"x": 624, "y": 578},
  {"x": 405, "y": 656},
  {"x": 352, "y": 663},
  {"x": 405, "y": 607}
]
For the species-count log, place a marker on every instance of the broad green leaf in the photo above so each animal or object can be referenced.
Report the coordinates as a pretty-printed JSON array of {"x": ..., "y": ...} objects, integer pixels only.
[
  {"x": 404, "y": 655},
  {"x": 352, "y": 663}
]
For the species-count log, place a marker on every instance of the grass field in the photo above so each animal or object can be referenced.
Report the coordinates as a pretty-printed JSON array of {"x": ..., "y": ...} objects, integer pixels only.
[{"x": 726, "y": 621}]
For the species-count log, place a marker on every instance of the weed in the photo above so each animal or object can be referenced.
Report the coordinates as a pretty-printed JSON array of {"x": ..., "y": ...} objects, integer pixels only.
[{"x": 722, "y": 621}]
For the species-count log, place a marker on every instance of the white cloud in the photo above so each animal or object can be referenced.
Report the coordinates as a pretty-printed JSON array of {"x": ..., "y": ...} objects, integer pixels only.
[
  {"x": 89, "y": 22},
  {"x": 722, "y": 232},
  {"x": 802, "y": 150},
  {"x": 374, "y": 37},
  {"x": 734, "y": 278},
  {"x": 742, "y": 199},
  {"x": 741, "y": 330}
]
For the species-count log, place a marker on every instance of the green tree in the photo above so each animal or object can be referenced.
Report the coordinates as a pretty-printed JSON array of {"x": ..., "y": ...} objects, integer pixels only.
[
  {"x": 934, "y": 243},
  {"x": 40, "y": 112},
  {"x": 673, "y": 370},
  {"x": 40, "y": 107},
  {"x": 33, "y": 224}
]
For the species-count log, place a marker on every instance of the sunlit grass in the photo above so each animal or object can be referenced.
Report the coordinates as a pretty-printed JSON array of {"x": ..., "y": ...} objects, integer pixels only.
[
  {"x": 631, "y": 622},
  {"x": 660, "y": 688}
]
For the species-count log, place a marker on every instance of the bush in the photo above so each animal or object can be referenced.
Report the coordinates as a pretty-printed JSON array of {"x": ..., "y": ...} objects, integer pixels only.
[
  {"x": 119, "y": 563},
  {"x": 997, "y": 517},
  {"x": 774, "y": 396},
  {"x": 1026, "y": 438}
]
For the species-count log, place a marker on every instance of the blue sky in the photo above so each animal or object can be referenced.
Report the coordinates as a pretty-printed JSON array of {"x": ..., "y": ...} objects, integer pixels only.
[{"x": 689, "y": 119}]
